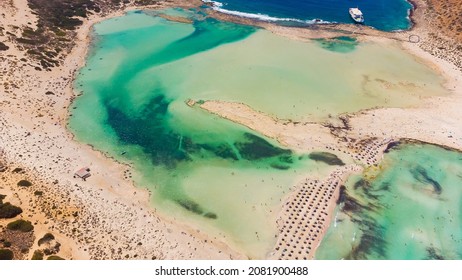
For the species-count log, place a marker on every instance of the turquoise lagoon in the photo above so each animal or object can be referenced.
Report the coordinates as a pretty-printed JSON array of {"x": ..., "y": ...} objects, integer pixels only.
[
  {"x": 215, "y": 175},
  {"x": 408, "y": 208}
]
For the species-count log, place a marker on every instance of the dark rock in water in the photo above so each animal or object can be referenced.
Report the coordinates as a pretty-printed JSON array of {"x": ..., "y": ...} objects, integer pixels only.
[
  {"x": 350, "y": 204},
  {"x": 433, "y": 255},
  {"x": 367, "y": 189},
  {"x": 327, "y": 158},
  {"x": 210, "y": 215},
  {"x": 190, "y": 206},
  {"x": 385, "y": 186},
  {"x": 286, "y": 159},
  {"x": 254, "y": 148},
  {"x": 371, "y": 243},
  {"x": 391, "y": 146},
  {"x": 373, "y": 194},
  {"x": 342, "y": 196},
  {"x": 195, "y": 208},
  {"x": 421, "y": 175},
  {"x": 279, "y": 166},
  {"x": 361, "y": 184}
]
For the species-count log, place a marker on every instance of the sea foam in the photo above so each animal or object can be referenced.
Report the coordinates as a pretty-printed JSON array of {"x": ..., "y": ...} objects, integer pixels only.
[{"x": 217, "y": 6}]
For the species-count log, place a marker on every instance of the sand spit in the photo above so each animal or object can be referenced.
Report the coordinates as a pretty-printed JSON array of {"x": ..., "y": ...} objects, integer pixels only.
[
  {"x": 296, "y": 135},
  {"x": 307, "y": 213},
  {"x": 106, "y": 217}
]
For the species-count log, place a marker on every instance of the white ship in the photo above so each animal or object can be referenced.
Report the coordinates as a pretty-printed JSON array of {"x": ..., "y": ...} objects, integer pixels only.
[{"x": 356, "y": 15}]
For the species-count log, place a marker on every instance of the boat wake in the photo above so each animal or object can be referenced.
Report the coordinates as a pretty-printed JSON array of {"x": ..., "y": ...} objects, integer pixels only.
[{"x": 218, "y": 6}]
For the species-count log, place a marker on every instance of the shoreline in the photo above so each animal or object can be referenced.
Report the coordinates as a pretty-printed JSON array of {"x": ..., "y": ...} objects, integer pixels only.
[
  {"x": 86, "y": 46},
  {"x": 361, "y": 128},
  {"x": 170, "y": 239},
  {"x": 224, "y": 245},
  {"x": 306, "y": 214}
]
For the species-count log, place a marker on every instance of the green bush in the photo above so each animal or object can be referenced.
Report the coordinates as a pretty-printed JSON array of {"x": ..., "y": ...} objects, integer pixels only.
[
  {"x": 20, "y": 225},
  {"x": 54, "y": 258},
  {"x": 17, "y": 170},
  {"x": 37, "y": 256},
  {"x": 59, "y": 33},
  {"x": 8, "y": 211},
  {"x": 3, "y": 47},
  {"x": 46, "y": 238},
  {"x": 6, "y": 254},
  {"x": 38, "y": 193},
  {"x": 24, "y": 183}
]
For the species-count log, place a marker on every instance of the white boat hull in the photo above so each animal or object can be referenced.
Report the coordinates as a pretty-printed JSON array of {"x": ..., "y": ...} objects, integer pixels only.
[{"x": 356, "y": 15}]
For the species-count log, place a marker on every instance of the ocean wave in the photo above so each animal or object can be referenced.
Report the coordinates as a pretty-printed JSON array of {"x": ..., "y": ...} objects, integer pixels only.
[
  {"x": 217, "y": 6},
  {"x": 214, "y": 3}
]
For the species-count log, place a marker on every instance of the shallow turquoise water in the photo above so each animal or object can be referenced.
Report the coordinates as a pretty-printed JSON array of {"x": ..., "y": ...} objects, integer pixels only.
[
  {"x": 408, "y": 208},
  {"x": 208, "y": 172}
]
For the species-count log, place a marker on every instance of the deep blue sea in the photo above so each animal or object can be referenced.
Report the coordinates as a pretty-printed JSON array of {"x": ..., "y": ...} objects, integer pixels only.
[{"x": 387, "y": 15}]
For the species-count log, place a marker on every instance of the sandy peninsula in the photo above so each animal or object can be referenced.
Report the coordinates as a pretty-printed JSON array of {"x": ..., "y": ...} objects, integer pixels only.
[{"x": 107, "y": 217}]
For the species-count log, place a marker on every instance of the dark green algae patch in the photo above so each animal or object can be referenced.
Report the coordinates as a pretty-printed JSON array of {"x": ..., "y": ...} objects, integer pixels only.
[
  {"x": 327, "y": 158},
  {"x": 167, "y": 147}
]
